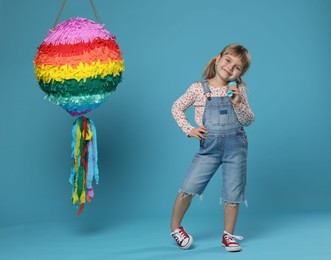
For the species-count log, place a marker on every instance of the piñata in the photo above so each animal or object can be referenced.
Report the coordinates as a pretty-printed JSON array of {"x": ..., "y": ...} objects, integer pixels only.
[{"x": 78, "y": 66}]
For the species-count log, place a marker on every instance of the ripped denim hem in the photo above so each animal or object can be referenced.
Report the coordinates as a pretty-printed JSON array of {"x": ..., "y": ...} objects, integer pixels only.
[
  {"x": 233, "y": 204},
  {"x": 185, "y": 194}
]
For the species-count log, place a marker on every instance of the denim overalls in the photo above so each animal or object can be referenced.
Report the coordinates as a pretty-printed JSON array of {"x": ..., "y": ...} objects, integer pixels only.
[{"x": 225, "y": 145}]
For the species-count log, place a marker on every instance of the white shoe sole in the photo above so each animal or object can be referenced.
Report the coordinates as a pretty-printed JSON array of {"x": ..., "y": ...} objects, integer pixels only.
[{"x": 232, "y": 248}]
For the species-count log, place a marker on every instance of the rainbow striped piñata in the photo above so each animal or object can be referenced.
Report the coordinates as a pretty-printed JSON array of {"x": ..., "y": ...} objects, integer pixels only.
[{"x": 78, "y": 66}]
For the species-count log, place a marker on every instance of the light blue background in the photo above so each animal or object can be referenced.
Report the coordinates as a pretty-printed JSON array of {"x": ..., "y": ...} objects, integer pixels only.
[{"x": 143, "y": 154}]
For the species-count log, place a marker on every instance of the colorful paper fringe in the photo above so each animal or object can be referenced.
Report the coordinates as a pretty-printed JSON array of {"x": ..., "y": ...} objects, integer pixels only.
[
  {"x": 78, "y": 65},
  {"x": 85, "y": 161}
]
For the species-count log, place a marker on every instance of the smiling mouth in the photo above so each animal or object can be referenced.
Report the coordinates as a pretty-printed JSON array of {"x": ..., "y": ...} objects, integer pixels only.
[{"x": 229, "y": 73}]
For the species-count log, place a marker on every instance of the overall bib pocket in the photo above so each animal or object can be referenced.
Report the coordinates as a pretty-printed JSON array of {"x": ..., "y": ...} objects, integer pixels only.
[{"x": 221, "y": 115}]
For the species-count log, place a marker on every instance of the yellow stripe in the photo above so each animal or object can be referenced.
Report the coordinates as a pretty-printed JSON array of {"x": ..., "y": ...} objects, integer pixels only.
[
  {"x": 88, "y": 133},
  {"x": 75, "y": 196},
  {"x": 82, "y": 197},
  {"x": 46, "y": 73}
]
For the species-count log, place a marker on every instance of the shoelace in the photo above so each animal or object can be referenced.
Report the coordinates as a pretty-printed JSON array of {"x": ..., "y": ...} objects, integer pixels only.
[
  {"x": 179, "y": 235},
  {"x": 231, "y": 237}
]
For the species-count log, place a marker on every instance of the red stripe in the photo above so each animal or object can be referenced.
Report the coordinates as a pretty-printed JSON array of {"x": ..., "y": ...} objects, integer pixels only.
[
  {"x": 85, "y": 128},
  {"x": 78, "y": 48},
  {"x": 81, "y": 208},
  {"x": 84, "y": 163}
]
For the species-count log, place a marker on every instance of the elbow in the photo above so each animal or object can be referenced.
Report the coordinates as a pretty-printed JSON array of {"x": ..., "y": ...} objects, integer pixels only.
[
  {"x": 173, "y": 111},
  {"x": 248, "y": 121},
  {"x": 251, "y": 120},
  {"x": 174, "y": 107}
]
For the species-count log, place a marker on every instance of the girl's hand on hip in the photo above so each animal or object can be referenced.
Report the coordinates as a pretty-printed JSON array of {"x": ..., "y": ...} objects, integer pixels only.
[
  {"x": 235, "y": 99},
  {"x": 198, "y": 132}
]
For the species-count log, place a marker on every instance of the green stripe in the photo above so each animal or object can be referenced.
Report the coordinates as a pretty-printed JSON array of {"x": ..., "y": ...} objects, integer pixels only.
[
  {"x": 78, "y": 100},
  {"x": 72, "y": 87},
  {"x": 81, "y": 171}
]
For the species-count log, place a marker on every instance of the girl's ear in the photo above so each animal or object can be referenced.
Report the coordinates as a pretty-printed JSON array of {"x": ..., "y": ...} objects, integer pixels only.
[{"x": 218, "y": 58}]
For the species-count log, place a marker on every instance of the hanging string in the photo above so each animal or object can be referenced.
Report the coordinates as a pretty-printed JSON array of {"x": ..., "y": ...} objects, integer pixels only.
[
  {"x": 58, "y": 16},
  {"x": 62, "y": 7},
  {"x": 95, "y": 12}
]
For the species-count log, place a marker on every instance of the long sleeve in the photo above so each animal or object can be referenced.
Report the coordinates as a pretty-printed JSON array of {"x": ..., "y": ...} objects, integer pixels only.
[
  {"x": 180, "y": 106},
  {"x": 244, "y": 112}
]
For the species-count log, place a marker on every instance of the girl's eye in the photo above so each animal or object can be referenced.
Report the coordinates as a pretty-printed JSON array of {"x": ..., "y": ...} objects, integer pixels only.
[
  {"x": 238, "y": 68},
  {"x": 227, "y": 60}
]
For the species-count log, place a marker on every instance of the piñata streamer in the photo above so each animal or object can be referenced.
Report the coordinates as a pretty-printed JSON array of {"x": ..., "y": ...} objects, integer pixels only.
[
  {"x": 78, "y": 66},
  {"x": 85, "y": 161}
]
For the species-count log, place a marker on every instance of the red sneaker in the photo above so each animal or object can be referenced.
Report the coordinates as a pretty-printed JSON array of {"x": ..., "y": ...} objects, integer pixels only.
[
  {"x": 183, "y": 239},
  {"x": 229, "y": 242}
]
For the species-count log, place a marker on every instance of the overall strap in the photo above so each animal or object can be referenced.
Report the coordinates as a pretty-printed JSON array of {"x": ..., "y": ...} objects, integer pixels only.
[{"x": 206, "y": 89}]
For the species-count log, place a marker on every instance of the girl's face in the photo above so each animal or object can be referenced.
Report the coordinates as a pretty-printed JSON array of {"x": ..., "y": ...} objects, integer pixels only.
[{"x": 229, "y": 67}]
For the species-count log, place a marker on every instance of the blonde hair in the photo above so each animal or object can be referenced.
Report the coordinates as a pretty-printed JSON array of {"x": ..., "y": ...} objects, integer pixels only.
[{"x": 233, "y": 49}]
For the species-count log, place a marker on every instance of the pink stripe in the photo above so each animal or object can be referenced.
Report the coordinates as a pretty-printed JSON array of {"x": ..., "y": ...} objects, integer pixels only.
[{"x": 77, "y": 30}]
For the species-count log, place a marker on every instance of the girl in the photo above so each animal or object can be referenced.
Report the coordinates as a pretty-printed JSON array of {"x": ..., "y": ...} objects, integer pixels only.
[{"x": 221, "y": 111}]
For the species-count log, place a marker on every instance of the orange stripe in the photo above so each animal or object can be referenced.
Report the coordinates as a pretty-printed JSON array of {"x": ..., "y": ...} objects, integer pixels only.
[{"x": 100, "y": 53}]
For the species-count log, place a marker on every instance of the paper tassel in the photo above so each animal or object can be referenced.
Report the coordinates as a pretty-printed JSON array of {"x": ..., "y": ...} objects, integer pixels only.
[{"x": 85, "y": 162}]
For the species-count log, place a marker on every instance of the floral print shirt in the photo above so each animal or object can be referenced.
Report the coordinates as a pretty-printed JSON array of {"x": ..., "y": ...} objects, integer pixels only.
[{"x": 195, "y": 96}]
